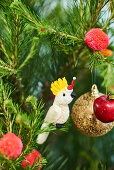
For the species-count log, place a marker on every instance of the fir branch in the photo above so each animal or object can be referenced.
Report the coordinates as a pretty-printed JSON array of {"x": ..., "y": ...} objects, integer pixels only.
[
  {"x": 22, "y": 10},
  {"x": 62, "y": 34},
  {"x": 3, "y": 49},
  {"x": 12, "y": 107},
  {"x": 71, "y": 63},
  {"x": 107, "y": 23},
  {"x": 33, "y": 101},
  {"x": 16, "y": 20},
  {"x": 81, "y": 9},
  {"x": 1, "y": 133},
  {"x": 97, "y": 59},
  {"x": 5, "y": 94},
  {"x": 96, "y": 14},
  {"x": 5, "y": 69},
  {"x": 107, "y": 72},
  {"x": 5, "y": 90},
  {"x": 19, "y": 86},
  {"x": 30, "y": 55},
  {"x": 27, "y": 145}
]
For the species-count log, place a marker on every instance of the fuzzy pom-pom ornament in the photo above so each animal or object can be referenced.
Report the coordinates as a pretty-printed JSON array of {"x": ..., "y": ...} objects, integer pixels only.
[
  {"x": 32, "y": 158},
  {"x": 58, "y": 113},
  {"x": 97, "y": 39},
  {"x": 11, "y": 145},
  {"x": 84, "y": 118}
]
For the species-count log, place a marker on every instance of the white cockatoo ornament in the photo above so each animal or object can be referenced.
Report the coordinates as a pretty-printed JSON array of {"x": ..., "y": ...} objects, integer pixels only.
[{"x": 58, "y": 113}]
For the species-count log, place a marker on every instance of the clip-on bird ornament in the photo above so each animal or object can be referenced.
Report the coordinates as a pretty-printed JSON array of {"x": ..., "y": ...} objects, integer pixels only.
[{"x": 58, "y": 113}]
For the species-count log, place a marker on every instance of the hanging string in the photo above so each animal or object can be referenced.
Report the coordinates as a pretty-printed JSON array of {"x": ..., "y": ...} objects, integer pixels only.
[{"x": 93, "y": 75}]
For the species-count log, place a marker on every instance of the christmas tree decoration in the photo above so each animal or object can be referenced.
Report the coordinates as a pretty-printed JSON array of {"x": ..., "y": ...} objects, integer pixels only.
[
  {"x": 11, "y": 145},
  {"x": 106, "y": 52},
  {"x": 32, "y": 159},
  {"x": 104, "y": 108},
  {"x": 84, "y": 118},
  {"x": 59, "y": 112},
  {"x": 97, "y": 39}
]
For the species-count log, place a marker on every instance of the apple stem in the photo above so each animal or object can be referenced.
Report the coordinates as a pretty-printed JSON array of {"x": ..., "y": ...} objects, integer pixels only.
[{"x": 108, "y": 96}]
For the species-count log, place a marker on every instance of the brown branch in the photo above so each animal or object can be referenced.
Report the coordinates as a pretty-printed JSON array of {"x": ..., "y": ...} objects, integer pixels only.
[
  {"x": 62, "y": 34},
  {"x": 94, "y": 18},
  {"x": 27, "y": 145},
  {"x": 69, "y": 65},
  {"x": 111, "y": 17},
  {"x": 3, "y": 49}
]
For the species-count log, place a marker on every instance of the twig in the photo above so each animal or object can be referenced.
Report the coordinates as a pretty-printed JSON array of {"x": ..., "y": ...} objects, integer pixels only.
[
  {"x": 27, "y": 146},
  {"x": 19, "y": 86},
  {"x": 16, "y": 36},
  {"x": 69, "y": 65},
  {"x": 93, "y": 19},
  {"x": 3, "y": 49},
  {"x": 30, "y": 55},
  {"x": 64, "y": 34},
  {"x": 112, "y": 15},
  {"x": 25, "y": 13}
]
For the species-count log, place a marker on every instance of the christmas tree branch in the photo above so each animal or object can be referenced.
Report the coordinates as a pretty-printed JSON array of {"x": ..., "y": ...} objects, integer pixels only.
[
  {"x": 111, "y": 17},
  {"x": 1, "y": 133},
  {"x": 6, "y": 114},
  {"x": 62, "y": 34},
  {"x": 81, "y": 9},
  {"x": 71, "y": 63},
  {"x": 22, "y": 10},
  {"x": 95, "y": 16},
  {"x": 19, "y": 87},
  {"x": 27, "y": 146},
  {"x": 3, "y": 49},
  {"x": 5, "y": 69},
  {"x": 107, "y": 73},
  {"x": 16, "y": 20},
  {"x": 31, "y": 53},
  {"x": 8, "y": 107}
]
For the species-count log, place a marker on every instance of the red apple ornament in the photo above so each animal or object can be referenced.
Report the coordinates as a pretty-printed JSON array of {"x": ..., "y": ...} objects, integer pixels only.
[{"x": 104, "y": 108}]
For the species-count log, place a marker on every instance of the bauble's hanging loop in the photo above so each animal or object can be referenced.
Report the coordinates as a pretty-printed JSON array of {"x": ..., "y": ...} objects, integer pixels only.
[{"x": 94, "y": 91}]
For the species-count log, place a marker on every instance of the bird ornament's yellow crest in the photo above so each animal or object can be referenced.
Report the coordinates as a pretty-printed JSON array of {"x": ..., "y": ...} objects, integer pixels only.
[{"x": 58, "y": 85}]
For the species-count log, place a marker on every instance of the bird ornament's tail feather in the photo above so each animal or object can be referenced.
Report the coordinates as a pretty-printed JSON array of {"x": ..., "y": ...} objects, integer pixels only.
[{"x": 43, "y": 136}]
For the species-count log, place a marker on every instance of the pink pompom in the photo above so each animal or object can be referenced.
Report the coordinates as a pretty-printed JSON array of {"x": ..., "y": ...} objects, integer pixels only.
[
  {"x": 31, "y": 159},
  {"x": 97, "y": 39},
  {"x": 11, "y": 145}
]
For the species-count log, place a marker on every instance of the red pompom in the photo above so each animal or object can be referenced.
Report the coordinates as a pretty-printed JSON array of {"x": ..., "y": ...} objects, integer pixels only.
[
  {"x": 31, "y": 159},
  {"x": 97, "y": 39},
  {"x": 11, "y": 145}
]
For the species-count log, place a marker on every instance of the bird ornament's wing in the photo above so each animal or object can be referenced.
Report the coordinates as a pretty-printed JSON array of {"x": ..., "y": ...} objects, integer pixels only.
[{"x": 53, "y": 114}]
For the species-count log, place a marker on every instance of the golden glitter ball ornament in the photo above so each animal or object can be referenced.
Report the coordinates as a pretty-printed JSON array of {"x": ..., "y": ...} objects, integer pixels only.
[{"x": 84, "y": 118}]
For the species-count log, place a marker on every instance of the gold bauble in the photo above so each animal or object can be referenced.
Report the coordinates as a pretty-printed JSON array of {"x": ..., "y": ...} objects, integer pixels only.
[{"x": 84, "y": 118}]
